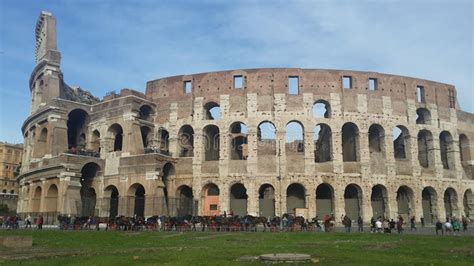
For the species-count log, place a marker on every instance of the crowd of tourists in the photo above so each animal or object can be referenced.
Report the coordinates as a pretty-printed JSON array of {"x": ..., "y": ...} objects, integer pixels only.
[
  {"x": 13, "y": 222},
  {"x": 451, "y": 226}
]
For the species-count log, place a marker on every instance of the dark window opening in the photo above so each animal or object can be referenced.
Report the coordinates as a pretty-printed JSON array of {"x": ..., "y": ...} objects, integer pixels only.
[{"x": 293, "y": 85}]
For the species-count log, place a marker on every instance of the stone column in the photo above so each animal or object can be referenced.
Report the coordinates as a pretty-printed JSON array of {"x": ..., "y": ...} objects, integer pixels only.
[
  {"x": 69, "y": 194},
  {"x": 311, "y": 202},
  {"x": 252, "y": 143},
  {"x": 367, "y": 211},
  {"x": 337, "y": 150},
  {"x": 364, "y": 153},
  {"x": 339, "y": 208},
  {"x": 252, "y": 198}
]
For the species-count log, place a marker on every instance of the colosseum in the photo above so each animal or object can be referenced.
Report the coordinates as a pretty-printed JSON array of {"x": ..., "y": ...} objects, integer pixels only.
[{"x": 257, "y": 141}]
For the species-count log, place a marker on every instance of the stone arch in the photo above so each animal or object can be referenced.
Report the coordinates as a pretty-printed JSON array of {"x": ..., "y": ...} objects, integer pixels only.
[
  {"x": 238, "y": 141},
  {"x": 425, "y": 149},
  {"x": 322, "y": 143},
  {"x": 324, "y": 200},
  {"x": 350, "y": 142},
  {"x": 210, "y": 200},
  {"x": 376, "y": 140},
  {"x": 353, "y": 201},
  {"x": 136, "y": 195},
  {"x": 212, "y": 111},
  {"x": 147, "y": 137},
  {"x": 88, "y": 195},
  {"x": 186, "y": 141},
  {"x": 95, "y": 141},
  {"x": 446, "y": 149},
  {"x": 294, "y": 137},
  {"x": 185, "y": 197},
  {"x": 164, "y": 140},
  {"x": 401, "y": 143},
  {"x": 51, "y": 200},
  {"x": 238, "y": 199},
  {"x": 145, "y": 112},
  {"x": 77, "y": 122},
  {"x": 405, "y": 202},
  {"x": 266, "y": 139},
  {"x": 266, "y": 200},
  {"x": 468, "y": 203},
  {"x": 379, "y": 201},
  {"x": 211, "y": 143},
  {"x": 36, "y": 199},
  {"x": 429, "y": 199},
  {"x": 450, "y": 202},
  {"x": 112, "y": 194},
  {"x": 321, "y": 109},
  {"x": 295, "y": 197},
  {"x": 115, "y": 133},
  {"x": 423, "y": 116}
]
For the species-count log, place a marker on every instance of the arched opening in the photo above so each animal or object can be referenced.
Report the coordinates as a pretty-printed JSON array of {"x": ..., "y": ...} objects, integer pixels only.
[
  {"x": 185, "y": 201},
  {"x": 425, "y": 148},
  {"x": 321, "y": 109},
  {"x": 468, "y": 202},
  {"x": 211, "y": 205},
  {"x": 164, "y": 140},
  {"x": 238, "y": 145},
  {"x": 428, "y": 202},
  {"x": 95, "y": 141},
  {"x": 186, "y": 141},
  {"x": 379, "y": 200},
  {"x": 446, "y": 149},
  {"x": 322, "y": 143},
  {"x": 450, "y": 202},
  {"x": 88, "y": 196},
  {"x": 350, "y": 142},
  {"x": 211, "y": 143},
  {"x": 115, "y": 133},
  {"x": 266, "y": 200},
  {"x": 401, "y": 143},
  {"x": 376, "y": 140},
  {"x": 51, "y": 199},
  {"x": 146, "y": 136},
  {"x": 295, "y": 198},
  {"x": 266, "y": 135},
  {"x": 113, "y": 201},
  {"x": 405, "y": 202},
  {"x": 212, "y": 111},
  {"x": 76, "y": 126},
  {"x": 423, "y": 116},
  {"x": 145, "y": 113},
  {"x": 294, "y": 138},
  {"x": 238, "y": 199},
  {"x": 36, "y": 200},
  {"x": 136, "y": 192},
  {"x": 353, "y": 201},
  {"x": 324, "y": 200}
]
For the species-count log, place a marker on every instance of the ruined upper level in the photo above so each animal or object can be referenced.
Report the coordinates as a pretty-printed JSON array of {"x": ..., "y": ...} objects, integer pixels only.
[{"x": 295, "y": 82}]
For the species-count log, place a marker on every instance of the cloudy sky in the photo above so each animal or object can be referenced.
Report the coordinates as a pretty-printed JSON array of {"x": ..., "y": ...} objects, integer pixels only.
[{"x": 108, "y": 45}]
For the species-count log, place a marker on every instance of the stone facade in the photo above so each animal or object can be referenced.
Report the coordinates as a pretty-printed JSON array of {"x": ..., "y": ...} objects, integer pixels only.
[
  {"x": 256, "y": 141},
  {"x": 10, "y": 162}
]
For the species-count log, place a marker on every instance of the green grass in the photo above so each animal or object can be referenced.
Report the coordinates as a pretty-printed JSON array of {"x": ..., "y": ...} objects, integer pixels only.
[{"x": 123, "y": 248}]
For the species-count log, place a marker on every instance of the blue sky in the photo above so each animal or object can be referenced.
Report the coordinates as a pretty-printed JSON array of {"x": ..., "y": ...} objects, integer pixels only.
[{"x": 108, "y": 45}]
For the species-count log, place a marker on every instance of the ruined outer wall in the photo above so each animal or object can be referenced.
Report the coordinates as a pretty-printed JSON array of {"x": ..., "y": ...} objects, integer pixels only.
[{"x": 264, "y": 97}]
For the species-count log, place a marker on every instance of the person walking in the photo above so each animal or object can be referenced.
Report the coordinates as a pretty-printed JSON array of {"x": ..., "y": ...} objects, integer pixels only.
[
  {"x": 439, "y": 227},
  {"x": 422, "y": 220},
  {"x": 412, "y": 223},
  {"x": 400, "y": 224},
  {"x": 40, "y": 222},
  {"x": 347, "y": 223},
  {"x": 464, "y": 221},
  {"x": 360, "y": 224},
  {"x": 28, "y": 221}
]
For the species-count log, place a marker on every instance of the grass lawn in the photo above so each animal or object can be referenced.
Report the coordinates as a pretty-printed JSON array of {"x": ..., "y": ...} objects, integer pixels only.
[{"x": 125, "y": 248}]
